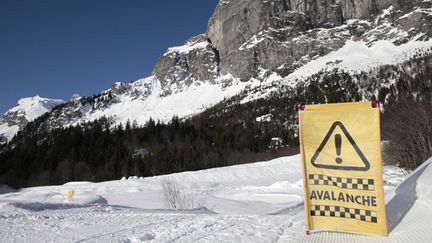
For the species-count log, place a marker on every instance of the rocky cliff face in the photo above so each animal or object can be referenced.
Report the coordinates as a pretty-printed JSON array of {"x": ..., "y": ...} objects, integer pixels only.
[
  {"x": 333, "y": 12},
  {"x": 281, "y": 35},
  {"x": 180, "y": 66}
]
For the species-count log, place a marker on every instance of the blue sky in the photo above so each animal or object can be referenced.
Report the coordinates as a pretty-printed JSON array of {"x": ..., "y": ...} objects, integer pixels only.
[{"x": 56, "y": 48}]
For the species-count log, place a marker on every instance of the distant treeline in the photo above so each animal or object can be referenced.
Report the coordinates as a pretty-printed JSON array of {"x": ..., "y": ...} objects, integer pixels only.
[{"x": 96, "y": 151}]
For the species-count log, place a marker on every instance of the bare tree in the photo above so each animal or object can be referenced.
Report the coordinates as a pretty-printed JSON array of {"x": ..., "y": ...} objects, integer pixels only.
[
  {"x": 176, "y": 197},
  {"x": 408, "y": 126}
]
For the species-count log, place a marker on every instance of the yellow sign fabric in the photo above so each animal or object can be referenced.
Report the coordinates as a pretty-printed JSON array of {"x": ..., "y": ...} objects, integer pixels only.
[{"x": 342, "y": 170}]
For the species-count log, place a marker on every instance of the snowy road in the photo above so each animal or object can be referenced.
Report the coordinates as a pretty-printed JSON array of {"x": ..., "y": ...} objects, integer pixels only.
[{"x": 260, "y": 202}]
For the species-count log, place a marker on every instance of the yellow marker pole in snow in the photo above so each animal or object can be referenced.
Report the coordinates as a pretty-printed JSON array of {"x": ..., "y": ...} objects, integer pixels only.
[{"x": 70, "y": 196}]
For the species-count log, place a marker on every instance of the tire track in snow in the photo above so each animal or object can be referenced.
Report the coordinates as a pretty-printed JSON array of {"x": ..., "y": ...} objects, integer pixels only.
[
  {"x": 98, "y": 236},
  {"x": 204, "y": 230}
]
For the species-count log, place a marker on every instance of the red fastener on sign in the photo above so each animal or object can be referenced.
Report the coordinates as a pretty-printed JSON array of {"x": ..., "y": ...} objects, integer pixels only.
[
  {"x": 302, "y": 107},
  {"x": 375, "y": 104}
]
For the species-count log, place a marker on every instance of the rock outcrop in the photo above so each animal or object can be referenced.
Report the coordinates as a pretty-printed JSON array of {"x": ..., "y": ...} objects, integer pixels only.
[
  {"x": 245, "y": 37},
  {"x": 253, "y": 34},
  {"x": 277, "y": 35},
  {"x": 180, "y": 66},
  {"x": 235, "y": 23}
]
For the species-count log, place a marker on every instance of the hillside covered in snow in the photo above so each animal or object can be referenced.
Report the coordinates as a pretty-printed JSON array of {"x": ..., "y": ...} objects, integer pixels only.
[{"x": 259, "y": 202}]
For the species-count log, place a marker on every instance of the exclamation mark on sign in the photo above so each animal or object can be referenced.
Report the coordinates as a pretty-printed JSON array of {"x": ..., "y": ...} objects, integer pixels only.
[{"x": 338, "y": 144}]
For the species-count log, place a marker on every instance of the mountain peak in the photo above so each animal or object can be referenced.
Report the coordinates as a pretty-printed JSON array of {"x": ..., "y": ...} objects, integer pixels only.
[
  {"x": 26, "y": 110},
  {"x": 75, "y": 97},
  {"x": 33, "y": 107}
]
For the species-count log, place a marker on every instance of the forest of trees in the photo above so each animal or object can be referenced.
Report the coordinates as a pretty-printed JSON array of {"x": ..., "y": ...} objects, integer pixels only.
[{"x": 96, "y": 151}]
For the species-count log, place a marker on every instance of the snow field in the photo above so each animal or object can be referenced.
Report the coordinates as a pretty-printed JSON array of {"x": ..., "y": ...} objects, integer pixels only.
[
  {"x": 259, "y": 202},
  {"x": 357, "y": 56}
]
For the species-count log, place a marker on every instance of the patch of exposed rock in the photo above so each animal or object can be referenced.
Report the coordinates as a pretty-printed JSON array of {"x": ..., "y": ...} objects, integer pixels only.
[{"x": 180, "y": 66}]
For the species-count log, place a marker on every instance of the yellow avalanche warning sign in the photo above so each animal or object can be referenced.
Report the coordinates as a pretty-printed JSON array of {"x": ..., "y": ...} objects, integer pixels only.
[{"x": 342, "y": 171}]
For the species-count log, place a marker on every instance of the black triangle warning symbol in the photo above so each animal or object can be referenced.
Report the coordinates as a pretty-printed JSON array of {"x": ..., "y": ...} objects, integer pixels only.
[{"x": 338, "y": 164}]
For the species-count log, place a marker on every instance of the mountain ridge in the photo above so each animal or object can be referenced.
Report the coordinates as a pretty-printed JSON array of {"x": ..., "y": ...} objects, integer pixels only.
[{"x": 253, "y": 45}]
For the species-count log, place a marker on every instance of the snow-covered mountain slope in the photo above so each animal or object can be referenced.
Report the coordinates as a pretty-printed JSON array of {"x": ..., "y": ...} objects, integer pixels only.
[
  {"x": 148, "y": 98},
  {"x": 26, "y": 110},
  {"x": 353, "y": 58},
  {"x": 358, "y": 56},
  {"x": 259, "y": 202},
  {"x": 277, "y": 45},
  {"x": 144, "y": 99}
]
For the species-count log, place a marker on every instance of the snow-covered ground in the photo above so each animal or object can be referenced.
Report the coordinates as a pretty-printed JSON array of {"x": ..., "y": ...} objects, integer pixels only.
[{"x": 259, "y": 202}]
